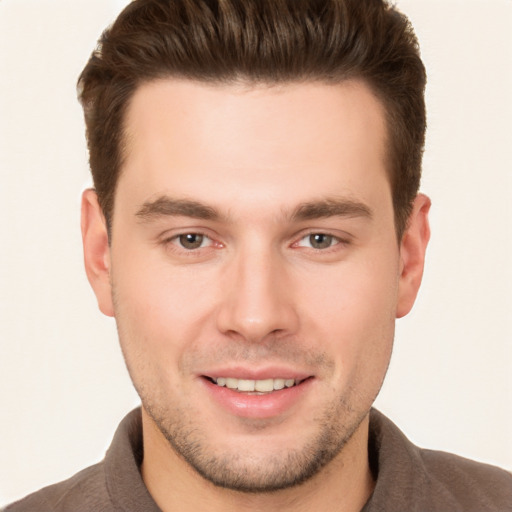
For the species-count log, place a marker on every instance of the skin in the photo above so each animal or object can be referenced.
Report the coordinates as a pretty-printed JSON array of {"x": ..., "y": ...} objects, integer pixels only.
[{"x": 256, "y": 171}]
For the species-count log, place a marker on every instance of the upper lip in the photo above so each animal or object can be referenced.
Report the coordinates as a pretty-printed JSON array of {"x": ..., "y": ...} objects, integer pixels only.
[{"x": 245, "y": 373}]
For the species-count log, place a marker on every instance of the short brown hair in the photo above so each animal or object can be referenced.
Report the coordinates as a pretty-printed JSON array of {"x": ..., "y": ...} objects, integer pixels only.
[{"x": 270, "y": 41}]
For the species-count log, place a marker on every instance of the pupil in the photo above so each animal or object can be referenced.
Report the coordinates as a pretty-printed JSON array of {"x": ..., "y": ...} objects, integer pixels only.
[
  {"x": 191, "y": 241},
  {"x": 320, "y": 241}
]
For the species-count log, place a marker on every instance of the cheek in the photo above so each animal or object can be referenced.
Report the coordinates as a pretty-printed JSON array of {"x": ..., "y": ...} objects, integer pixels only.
[
  {"x": 353, "y": 313},
  {"x": 158, "y": 312},
  {"x": 155, "y": 291}
]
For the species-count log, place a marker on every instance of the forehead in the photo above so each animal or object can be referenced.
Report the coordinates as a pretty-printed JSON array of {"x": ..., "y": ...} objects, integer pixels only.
[{"x": 253, "y": 142}]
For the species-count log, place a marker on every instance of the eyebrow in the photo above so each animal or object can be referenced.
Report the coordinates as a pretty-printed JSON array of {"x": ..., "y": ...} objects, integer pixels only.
[
  {"x": 331, "y": 207},
  {"x": 167, "y": 206},
  {"x": 323, "y": 208}
]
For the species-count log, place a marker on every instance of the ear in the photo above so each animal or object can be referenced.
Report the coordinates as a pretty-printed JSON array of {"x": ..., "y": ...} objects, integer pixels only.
[
  {"x": 96, "y": 250},
  {"x": 412, "y": 254}
]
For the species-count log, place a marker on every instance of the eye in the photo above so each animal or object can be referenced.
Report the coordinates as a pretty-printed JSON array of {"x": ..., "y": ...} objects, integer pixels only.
[
  {"x": 318, "y": 241},
  {"x": 191, "y": 241}
]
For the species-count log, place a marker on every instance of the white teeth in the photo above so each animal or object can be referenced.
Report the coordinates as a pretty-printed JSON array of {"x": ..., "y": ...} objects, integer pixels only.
[
  {"x": 261, "y": 386},
  {"x": 231, "y": 383},
  {"x": 246, "y": 385},
  {"x": 278, "y": 383}
]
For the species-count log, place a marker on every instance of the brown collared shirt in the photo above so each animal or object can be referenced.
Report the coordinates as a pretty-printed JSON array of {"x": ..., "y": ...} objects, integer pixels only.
[{"x": 408, "y": 479}]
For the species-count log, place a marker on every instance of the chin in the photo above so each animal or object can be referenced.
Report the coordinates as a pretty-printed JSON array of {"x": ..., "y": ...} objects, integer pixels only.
[{"x": 257, "y": 463}]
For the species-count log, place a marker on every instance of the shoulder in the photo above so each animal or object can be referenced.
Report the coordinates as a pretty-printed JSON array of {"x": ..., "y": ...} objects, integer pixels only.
[
  {"x": 414, "y": 479},
  {"x": 113, "y": 484},
  {"x": 84, "y": 491},
  {"x": 468, "y": 481}
]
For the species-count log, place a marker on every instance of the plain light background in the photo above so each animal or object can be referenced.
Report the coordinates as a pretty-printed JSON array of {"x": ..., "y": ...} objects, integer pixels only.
[{"x": 63, "y": 385}]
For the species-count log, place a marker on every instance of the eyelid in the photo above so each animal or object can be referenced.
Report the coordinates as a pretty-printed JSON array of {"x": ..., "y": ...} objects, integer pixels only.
[
  {"x": 204, "y": 240},
  {"x": 173, "y": 233},
  {"x": 171, "y": 237},
  {"x": 342, "y": 239},
  {"x": 184, "y": 233},
  {"x": 170, "y": 240}
]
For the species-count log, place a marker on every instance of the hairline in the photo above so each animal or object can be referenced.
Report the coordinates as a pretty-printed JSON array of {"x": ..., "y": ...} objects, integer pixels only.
[{"x": 248, "y": 83}]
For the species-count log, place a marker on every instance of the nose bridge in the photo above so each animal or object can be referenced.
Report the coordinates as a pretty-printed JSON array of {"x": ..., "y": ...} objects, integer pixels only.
[{"x": 256, "y": 302}]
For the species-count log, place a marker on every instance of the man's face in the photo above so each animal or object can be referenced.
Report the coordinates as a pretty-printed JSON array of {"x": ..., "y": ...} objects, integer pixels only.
[{"x": 253, "y": 248}]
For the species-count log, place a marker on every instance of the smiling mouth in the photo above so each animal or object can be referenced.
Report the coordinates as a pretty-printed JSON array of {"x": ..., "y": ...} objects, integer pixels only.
[{"x": 263, "y": 386}]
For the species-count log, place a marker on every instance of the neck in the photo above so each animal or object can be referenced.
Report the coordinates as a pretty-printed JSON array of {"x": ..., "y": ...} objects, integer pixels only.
[{"x": 344, "y": 485}]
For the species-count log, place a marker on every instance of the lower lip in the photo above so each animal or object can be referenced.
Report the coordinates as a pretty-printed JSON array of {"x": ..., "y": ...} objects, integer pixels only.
[{"x": 257, "y": 406}]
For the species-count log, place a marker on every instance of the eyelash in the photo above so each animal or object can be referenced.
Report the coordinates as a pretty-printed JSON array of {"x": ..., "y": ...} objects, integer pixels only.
[
  {"x": 338, "y": 242},
  {"x": 174, "y": 243}
]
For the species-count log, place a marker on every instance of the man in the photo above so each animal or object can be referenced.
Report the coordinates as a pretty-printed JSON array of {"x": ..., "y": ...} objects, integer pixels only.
[{"x": 255, "y": 229}]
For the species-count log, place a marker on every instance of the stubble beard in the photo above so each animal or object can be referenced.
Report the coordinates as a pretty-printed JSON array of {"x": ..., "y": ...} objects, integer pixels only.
[
  {"x": 249, "y": 472},
  {"x": 243, "y": 472}
]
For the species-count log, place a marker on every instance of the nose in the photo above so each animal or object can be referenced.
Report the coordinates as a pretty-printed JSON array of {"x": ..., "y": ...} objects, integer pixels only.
[{"x": 257, "y": 298}]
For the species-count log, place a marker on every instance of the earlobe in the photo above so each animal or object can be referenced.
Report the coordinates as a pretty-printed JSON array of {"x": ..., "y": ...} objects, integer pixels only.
[
  {"x": 412, "y": 255},
  {"x": 96, "y": 250}
]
